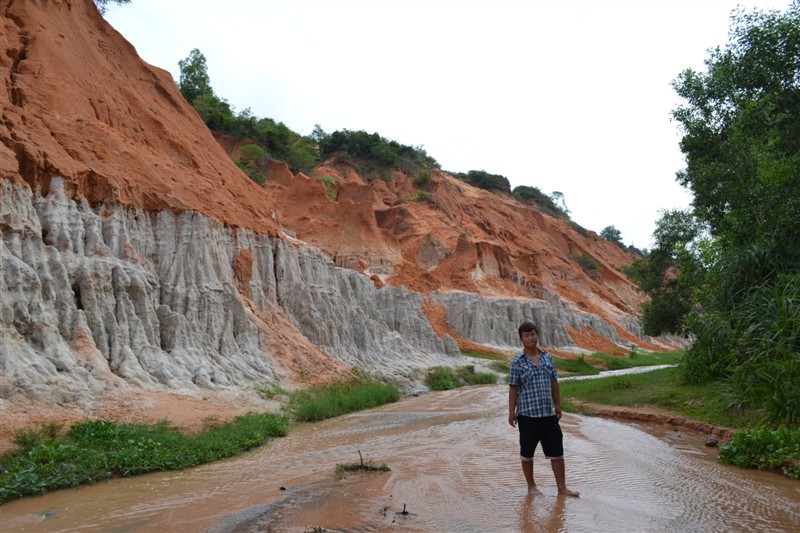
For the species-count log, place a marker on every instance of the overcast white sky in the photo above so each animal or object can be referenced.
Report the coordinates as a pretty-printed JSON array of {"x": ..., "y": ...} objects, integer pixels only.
[{"x": 564, "y": 95}]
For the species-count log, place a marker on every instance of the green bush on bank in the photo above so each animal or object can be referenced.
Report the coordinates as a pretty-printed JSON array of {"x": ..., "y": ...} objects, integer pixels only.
[
  {"x": 319, "y": 403},
  {"x": 96, "y": 450},
  {"x": 442, "y": 378},
  {"x": 765, "y": 448},
  {"x": 752, "y": 446}
]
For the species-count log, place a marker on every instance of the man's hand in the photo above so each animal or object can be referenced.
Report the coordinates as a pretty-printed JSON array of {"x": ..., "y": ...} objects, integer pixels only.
[
  {"x": 558, "y": 413},
  {"x": 512, "y": 419}
]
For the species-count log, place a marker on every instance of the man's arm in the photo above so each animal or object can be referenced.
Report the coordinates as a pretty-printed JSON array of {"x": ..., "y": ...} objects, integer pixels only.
[
  {"x": 513, "y": 392},
  {"x": 556, "y": 391}
]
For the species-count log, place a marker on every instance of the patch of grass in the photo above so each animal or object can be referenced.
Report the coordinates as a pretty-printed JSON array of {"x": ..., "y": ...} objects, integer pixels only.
[
  {"x": 30, "y": 437},
  {"x": 502, "y": 367},
  {"x": 588, "y": 365},
  {"x": 578, "y": 367},
  {"x": 765, "y": 448},
  {"x": 319, "y": 403},
  {"x": 96, "y": 450},
  {"x": 328, "y": 181},
  {"x": 361, "y": 466},
  {"x": 636, "y": 358},
  {"x": 271, "y": 391},
  {"x": 660, "y": 388},
  {"x": 487, "y": 354},
  {"x": 445, "y": 378}
]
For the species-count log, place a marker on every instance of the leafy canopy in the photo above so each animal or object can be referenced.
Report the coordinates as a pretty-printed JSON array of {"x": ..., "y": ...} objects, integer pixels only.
[{"x": 728, "y": 271}]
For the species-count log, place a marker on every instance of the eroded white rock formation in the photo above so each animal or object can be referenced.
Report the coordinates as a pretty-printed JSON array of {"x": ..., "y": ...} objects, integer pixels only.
[{"x": 101, "y": 296}]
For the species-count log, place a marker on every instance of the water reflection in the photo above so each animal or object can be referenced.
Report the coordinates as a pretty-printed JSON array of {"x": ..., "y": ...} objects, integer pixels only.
[{"x": 454, "y": 468}]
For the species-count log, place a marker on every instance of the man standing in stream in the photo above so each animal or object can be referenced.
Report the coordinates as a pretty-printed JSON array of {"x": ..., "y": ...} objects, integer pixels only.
[{"x": 534, "y": 406}]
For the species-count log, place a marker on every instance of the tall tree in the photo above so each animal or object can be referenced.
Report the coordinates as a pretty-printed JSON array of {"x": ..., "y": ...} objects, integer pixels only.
[
  {"x": 194, "y": 81},
  {"x": 740, "y": 272},
  {"x": 611, "y": 233}
]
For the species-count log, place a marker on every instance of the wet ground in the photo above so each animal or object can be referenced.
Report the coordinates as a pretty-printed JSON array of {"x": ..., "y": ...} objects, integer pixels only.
[{"x": 454, "y": 468}]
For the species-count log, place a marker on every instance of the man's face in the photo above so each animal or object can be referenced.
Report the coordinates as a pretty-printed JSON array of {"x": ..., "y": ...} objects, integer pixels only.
[{"x": 529, "y": 338}]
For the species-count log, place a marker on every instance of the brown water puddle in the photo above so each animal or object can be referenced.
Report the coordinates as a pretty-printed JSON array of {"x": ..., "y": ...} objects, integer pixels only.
[{"x": 454, "y": 468}]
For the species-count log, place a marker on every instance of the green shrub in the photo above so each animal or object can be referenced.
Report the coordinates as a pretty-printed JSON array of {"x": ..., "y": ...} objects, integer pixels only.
[
  {"x": 485, "y": 180},
  {"x": 320, "y": 403},
  {"x": 422, "y": 196},
  {"x": 362, "y": 466},
  {"x": 95, "y": 450},
  {"x": 502, "y": 367},
  {"x": 30, "y": 437},
  {"x": 764, "y": 448},
  {"x": 422, "y": 178},
  {"x": 443, "y": 378},
  {"x": 329, "y": 190},
  {"x": 587, "y": 263},
  {"x": 527, "y": 195}
]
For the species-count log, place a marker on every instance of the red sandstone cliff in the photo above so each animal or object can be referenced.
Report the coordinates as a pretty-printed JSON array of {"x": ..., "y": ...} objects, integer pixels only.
[{"x": 80, "y": 104}]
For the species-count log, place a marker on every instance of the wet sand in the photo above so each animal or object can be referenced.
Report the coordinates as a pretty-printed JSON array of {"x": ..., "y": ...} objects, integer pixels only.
[{"x": 454, "y": 468}]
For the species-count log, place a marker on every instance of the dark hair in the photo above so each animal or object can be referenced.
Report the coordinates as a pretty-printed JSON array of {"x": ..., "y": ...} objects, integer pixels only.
[{"x": 527, "y": 326}]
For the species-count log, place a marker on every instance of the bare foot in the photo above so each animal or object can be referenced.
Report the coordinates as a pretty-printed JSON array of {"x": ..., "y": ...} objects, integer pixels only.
[
  {"x": 534, "y": 491},
  {"x": 566, "y": 492}
]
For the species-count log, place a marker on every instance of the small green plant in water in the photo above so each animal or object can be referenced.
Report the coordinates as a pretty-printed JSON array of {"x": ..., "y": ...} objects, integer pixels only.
[{"x": 361, "y": 466}]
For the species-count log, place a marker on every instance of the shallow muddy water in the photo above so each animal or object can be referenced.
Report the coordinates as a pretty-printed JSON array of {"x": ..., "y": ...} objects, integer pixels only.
[{"x": 454, "y": 468}]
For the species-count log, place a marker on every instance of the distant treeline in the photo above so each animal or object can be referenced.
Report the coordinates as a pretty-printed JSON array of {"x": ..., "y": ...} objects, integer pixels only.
[{"x": 373, "y": 155}]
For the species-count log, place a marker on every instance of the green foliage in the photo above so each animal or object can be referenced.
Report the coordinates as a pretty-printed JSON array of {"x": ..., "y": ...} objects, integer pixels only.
[
  {"x": 764, "y": 448},
  {"x": 577, "y": 366},
  {"x": 422, "y": 178},
  {"x": 330, "y": 192},
  {"x": 372, "y": 150},
  {"x": 252, "y": 172},
  {"x": 422, "y": 196},
  {"x": 580, "y": 229},
  {"x": 501, "y": 367},
  {"x": 253, "y": 154},
  {"x": 527, "y": 195},
  {"x": 320, "y": 403},
  {"x": 271, "y": 391},
  {"x": 96, "y": 450},
  {"x": 610, "y": 233},
  {"x": 194, "y": 79},
  {"x": 444, "y": 378},
  {"x": 215, "y": 112},
  {"x": 587, "y": 263},
  {"x": 362, "y": 466},
  {"x": 660, "y": 388},
  {"x": 485, "y": 180},
  {"x": 30, "y": 437},
  {"x": 728, "y": 272},
  {"x": 670, "y": 273},
  {"x": 102, "y": 5}
]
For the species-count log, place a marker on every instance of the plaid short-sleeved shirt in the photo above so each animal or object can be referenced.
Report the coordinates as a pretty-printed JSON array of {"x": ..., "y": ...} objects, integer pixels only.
[{"x": 535, "y": 395}]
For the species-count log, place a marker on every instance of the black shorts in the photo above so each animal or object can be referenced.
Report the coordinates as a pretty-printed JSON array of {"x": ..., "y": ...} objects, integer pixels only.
[{"x": 546, "y": 430}]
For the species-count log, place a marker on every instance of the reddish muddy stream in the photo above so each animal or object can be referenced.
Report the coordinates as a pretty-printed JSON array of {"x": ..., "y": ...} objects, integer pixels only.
[{"x": 454, "y": 468}]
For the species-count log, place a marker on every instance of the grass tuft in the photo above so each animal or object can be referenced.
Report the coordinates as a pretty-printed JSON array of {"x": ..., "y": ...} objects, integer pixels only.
[
  {"x": 320, "y": 403},
  {"x": 95, "y": 450}
]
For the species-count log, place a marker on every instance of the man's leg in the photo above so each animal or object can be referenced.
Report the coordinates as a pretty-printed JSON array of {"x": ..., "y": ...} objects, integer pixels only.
[
  {"x": 527, "y": 469},
  {"x": 559, "y": 471}
]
